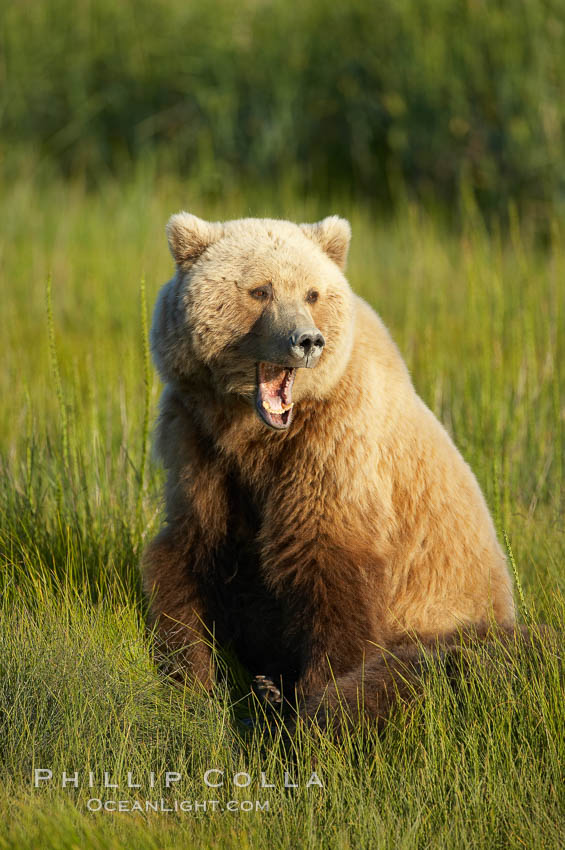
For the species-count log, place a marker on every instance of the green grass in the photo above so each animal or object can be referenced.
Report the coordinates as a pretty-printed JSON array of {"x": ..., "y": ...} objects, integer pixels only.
[
  {"x": 423, "y": 94},
  {"x": 480, "y": 319}
]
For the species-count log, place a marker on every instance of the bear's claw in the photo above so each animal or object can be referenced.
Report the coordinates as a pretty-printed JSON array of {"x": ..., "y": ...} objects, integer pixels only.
[{"x": 267, "y": 691}]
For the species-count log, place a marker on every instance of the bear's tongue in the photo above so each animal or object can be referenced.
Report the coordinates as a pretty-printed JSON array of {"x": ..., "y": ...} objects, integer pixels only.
[{"x": 274, "y": 394}]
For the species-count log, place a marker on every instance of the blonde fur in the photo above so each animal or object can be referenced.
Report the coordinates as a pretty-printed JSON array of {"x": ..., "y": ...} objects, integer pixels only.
[{"x": 367, "y": 526}]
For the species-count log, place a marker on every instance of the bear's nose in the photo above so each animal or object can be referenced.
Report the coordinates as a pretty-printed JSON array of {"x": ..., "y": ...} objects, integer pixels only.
[{"x": 306, "y": 344}]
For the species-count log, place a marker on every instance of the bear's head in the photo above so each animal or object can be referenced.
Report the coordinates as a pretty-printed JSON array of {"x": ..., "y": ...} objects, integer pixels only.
[{"x": 258, "y": 308}]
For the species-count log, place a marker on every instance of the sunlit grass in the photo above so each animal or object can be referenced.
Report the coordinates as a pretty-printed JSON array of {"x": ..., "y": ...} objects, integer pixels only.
[{"x": 480, "y": 320}]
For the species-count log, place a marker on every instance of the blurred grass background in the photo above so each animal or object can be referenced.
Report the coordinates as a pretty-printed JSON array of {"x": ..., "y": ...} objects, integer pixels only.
[
  {"x": 368, "y": 97},
  {"x": 437, "y": 129}
]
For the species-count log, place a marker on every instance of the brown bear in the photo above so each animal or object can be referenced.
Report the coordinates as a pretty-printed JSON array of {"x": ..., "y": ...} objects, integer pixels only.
[{"x": 318, "y": 516}]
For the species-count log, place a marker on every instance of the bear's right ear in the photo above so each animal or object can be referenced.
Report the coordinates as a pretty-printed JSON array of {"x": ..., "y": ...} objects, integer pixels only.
[
  {"x": 333, "y": 235},
  {"x": 189, "y": 236}
]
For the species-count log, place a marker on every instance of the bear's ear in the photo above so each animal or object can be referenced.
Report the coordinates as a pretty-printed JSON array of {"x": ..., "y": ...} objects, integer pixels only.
[
  {"x": 333, "y": 235},
  {"x": 189, "y": 236}
]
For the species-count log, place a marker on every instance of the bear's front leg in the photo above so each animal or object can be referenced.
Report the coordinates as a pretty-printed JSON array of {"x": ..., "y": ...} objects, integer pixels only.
[
  {"x": 334, "y": 633},
  {"x": 328, "y": 603},
  {"x": 176, "y": 604}
]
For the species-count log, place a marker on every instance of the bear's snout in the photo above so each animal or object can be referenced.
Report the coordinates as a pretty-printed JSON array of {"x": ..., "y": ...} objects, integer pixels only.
[{"x": 306, "y": 344}]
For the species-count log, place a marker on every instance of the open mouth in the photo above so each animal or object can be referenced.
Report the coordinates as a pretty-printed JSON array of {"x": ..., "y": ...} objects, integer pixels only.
[{"x": 274, "y": 394}]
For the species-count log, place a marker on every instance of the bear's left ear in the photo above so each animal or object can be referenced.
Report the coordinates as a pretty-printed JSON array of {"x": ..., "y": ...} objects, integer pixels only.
[
  {"x": 189, "y": 236},
  {"x": 333, "y": 235}
]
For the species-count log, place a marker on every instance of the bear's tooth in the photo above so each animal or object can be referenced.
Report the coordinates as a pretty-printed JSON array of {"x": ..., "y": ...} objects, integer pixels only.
[{"x": 277, "y": 410}]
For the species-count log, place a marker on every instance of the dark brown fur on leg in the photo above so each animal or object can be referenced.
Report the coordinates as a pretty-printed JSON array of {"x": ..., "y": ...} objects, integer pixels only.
[
  {"x": 177, "y": 609},
  {"x": 367, "y": 693},
  {"x": 389, "y": 678}
]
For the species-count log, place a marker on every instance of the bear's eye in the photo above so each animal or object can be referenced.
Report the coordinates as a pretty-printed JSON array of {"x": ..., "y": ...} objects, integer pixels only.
[
  {"x": 312, "y": 296},
  {"x": 261, "y": 293}
]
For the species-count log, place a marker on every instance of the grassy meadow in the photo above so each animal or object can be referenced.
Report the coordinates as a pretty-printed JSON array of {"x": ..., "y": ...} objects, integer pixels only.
[{"x": 480, "y": 319}]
